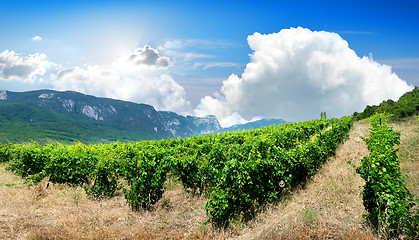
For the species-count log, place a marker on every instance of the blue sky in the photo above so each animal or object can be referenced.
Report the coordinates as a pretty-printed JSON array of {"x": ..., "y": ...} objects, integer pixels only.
[{"x": 205, "y": 42}]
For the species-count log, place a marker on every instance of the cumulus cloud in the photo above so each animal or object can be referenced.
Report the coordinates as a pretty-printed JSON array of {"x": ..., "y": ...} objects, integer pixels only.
[
  {"x": 296, "y": 74},
  {"x": 149, "y": 57},
  {"x": 407, "y": 68},
  {"x": 139, "y": 77},
  {"x": 37, "y": 38},
  {"x": 25, "y": 69}
]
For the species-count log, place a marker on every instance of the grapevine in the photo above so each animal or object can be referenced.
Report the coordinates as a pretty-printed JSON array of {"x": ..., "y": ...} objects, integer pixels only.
[{"x": 238, "y": 172}]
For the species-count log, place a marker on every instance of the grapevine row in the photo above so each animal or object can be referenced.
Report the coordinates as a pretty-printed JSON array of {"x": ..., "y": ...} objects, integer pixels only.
[
  {"x": 238, "y": 172},
  {"x": 385, "y": 194}
]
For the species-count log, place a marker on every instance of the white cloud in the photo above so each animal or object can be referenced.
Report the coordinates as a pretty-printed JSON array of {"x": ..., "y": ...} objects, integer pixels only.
[
  {"x": 139, "y": 77},
  {"x": 406, "y": 68},
  {"x": 206, "y": 65},
  {"x": 173, "y": 44},
  {"x": 200, "y": 43},
  {"x": 37, "y": 38},
  {"x": 402, "y": 63},
  {"x": 127, "y": 81},
  {"x": 169, "y": 46},
  {"x": 210, "y": 44},
  {"x": 149, "y": 57},
  {"x": 296, "y": 74},
  {"x": 188, "y": 56},
  {"x": 21, "y": 68}
]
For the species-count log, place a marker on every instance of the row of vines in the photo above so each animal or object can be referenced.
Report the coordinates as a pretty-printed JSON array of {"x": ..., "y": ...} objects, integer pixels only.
[
  {"x": 385, "y": 195},
  {"x": 238, "y": 172}
]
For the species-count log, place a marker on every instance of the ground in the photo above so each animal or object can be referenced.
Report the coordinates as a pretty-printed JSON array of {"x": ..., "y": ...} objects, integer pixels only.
[{"x": 329, "y": 206}]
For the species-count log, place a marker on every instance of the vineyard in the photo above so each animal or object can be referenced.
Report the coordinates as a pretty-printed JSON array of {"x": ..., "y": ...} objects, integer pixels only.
[
  {"x": 385, "y": 194},
  {"x": 238, "y": 172}
]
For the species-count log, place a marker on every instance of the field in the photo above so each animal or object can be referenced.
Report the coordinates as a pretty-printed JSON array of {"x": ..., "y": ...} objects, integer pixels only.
[{"x": 328, "y": 205}]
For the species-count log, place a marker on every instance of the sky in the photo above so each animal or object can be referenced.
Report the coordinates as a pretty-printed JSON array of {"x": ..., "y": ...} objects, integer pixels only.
[{"x": 237, "y": 60}]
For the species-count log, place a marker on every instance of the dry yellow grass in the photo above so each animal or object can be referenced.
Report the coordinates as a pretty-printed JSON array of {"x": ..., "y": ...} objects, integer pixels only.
[
  {"x": 62, "y": 212},
  {"x": 329, "y": 207},
  {"x": 409, "y": 152}
]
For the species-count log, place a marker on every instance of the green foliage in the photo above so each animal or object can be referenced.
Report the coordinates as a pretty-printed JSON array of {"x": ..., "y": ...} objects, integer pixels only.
[
  {"x": 69, "y": 164},
  {"x": 243, "y": 176},
  {"x": 239, "y": 172},
  {"x": 23, "y": 122},
  {"x": 4, "y": 153},
  {"x": 407, "y": 105},
  {"x": 105, "y": 179},
  {"x": 385, "y": 195},
  {"x": 148, "y": 178},
  {"x": 27, "y": 159}
]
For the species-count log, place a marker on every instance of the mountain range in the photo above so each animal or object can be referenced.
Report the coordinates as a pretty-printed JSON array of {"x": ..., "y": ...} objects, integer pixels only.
[
  {"x": 255, "y": 124},
  {"x": 50, "y": 116}
]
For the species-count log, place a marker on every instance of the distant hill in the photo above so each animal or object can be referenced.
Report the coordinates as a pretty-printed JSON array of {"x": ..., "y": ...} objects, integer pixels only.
[
  {"x": 47, "y": 115},
  {"x": 256, "y": 124}
]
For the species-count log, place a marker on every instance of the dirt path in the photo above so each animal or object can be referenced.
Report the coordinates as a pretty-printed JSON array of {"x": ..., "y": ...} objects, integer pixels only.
[{"x": 329, "y": 207}]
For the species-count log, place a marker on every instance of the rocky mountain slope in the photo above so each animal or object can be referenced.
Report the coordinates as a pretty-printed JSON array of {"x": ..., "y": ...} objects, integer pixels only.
[{"x": 48, "y": 114}]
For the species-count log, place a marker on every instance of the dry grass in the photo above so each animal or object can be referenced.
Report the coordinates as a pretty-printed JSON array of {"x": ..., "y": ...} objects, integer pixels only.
[
  {"x": 62, "y": 212},
  {"x": 409, "y": 152},
  {"x": 329, "y": 207}
]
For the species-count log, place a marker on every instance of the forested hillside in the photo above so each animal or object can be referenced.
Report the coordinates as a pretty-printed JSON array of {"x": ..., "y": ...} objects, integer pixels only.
[
  {"x": 53, "y": 116},
  {"x": 407, "y": 105}
]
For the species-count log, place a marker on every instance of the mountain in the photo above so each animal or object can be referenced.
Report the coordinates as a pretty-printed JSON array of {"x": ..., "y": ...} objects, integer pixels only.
[
  {"x": 47, "y": 115},
  {"x": 256, "y": 124}
]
